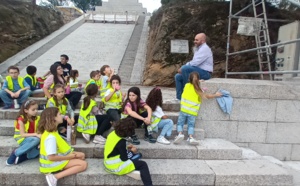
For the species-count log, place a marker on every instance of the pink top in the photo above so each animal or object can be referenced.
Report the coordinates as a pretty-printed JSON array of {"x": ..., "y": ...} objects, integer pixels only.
[
  {"x": 49, "y": 81},
  {"x": 128, "y": 105}
]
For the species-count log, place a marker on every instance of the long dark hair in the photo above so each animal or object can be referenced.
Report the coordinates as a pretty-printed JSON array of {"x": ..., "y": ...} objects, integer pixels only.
[
  {"x": 154, "y": 98},
  {"x": 136, "y": 91},
  {"x": 91, "y": 91},
  {"x": 73, "y": 74},
  {"x": 53, "y": 70},
  {"x": 125, "y": 127}
]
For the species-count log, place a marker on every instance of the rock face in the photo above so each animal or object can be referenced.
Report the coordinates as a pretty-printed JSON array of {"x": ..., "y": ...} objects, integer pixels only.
[
  {"x": 184, "y": 21},
  {"x": 21, "y": 25}
]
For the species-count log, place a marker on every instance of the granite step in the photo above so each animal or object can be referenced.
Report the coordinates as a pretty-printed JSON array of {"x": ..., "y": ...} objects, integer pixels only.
[
  {"x": 208, "y": 149},
  {"x": 163, "y": 172}
]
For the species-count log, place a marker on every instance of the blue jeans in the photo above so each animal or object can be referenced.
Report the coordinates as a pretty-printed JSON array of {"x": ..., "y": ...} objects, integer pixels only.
[
  {"x": 166, "y": 125},
  {"x": 182, "y": 79},
  {"x": 8, "y": 100},
  {"x": 29, "y": 146},
  {"x": 190, "y": 122}
]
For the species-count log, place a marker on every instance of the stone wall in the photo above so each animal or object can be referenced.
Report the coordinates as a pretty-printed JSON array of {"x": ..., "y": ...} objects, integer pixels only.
[
  {"x": 265, "y": 116},
  {"x": 121, "y": 6}
]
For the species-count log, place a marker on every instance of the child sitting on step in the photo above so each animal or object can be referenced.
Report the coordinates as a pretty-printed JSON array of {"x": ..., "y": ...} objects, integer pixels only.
[
  {"x": 58, "y": 100},
  {"x": 94, "y": 75},
  {"x": 159, "y": 120},
  {"x": 26, "y": 134},
  {"x": 32, "y": 81},
  {"x": 73, "y": 80},
  {"x": 91, "y": 121},
  {"x": 139, "y": 111},
  {"x": 113, "y": 99},
  {"x": 116, "y": 160},
  {"x": 57, "y": 158},
  {"x": 106, "y": 74},
  {"x": 189, "y": 106}
]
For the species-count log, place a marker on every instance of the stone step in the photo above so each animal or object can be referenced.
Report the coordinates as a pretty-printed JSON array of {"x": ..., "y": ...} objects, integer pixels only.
[
  {"x": 7, "y": 129},
  {"x": 163, "y": 172},
  {"x": 208, "y": 149}
]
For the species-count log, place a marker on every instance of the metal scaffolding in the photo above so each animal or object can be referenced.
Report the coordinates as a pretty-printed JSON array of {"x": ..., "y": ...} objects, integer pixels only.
[{"x": 260, "y": 31}]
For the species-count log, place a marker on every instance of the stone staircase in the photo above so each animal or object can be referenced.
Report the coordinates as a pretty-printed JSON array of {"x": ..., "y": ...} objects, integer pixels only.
[{"x": 212, "y": 162}]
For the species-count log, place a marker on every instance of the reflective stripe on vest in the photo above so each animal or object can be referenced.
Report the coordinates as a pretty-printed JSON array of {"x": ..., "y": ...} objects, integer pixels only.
[
  {"x": 10, "y": 84},
  {"x": 91, "y": 81},
  {"x": 33, "y": 80},
  {"x": 17, "y": 135},
  {"x": 190, "y": 103},
  {"x": 87, "y": 122},
  {"x": 154, "y": 121},
  {"x": 115, "y": 101},
  {"x": 63, "y": 149},
  {"x": 114, "y": 164},
  {"x": 62, "y": 108}
]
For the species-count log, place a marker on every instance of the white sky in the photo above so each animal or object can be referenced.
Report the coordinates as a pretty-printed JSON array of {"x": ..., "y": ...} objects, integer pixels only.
[{"x": 149, "y": 4}]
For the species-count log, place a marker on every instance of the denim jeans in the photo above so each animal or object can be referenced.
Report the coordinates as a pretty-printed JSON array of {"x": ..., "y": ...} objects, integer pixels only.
[
  {"x": 182, "y": 79},
  {"x": 114, "y": 114},
  {"x": 8, "y": 100},
  {"x": 29, "y": 146},
  {"x": 190, "y": 122},
  {"x": 166, "y": 125}
]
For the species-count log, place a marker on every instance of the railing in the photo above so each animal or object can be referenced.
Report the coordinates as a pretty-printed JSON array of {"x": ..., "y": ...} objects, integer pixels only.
[{"x": 113, "y": 17}]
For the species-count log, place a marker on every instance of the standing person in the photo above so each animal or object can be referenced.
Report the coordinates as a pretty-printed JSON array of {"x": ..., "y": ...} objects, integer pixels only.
[
  {"x": 114, "y": 99},
  {"x": 66, "y": 67},
  {"x": 139, "y": 111},
  {"x": 31, "y": 79},
  {"x": 202, "y": 63},
  {"x": 159, "y": 120},
  {"x": 116, "y": 159},
  {"x": 56, "y": 77},
  {"x": 57, "y": 158},
  {"x": 90, "y": 121},
  {"x": 26, "y": 134},
  {"x": 15, "y": 87},
  {"x": 189, "y": 106}
]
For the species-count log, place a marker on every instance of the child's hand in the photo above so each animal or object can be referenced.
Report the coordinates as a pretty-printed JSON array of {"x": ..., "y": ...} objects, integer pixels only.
[
  {"x": 129, "y": 146},
  {"x": 38, "y": 135},
  {"x": 147, "y": 121},
  {"x": 70, "y": 122},
  {"x": 133, "y": 149},
  {"x": 73, "y": 120},
  {"x": 218, "y": 94},
  {"x": 164, "y": 117}
]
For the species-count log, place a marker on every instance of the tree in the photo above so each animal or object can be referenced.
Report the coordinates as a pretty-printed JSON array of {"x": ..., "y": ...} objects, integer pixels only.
[{"x": 87, "y": 4}]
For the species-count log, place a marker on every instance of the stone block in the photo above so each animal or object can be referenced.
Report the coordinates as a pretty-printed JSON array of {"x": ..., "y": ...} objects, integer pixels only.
[
  {"x": 220, "y": 129},
  {"x": 252, "y": 132},
  {"x": 280, "y": 151},
  {"x": 285, "y": 91},
  {"x": 8, "y": 144},
  {"x": 249, "y": 172},
  {"x": 245, "y": 145},
  {"x": 288, "y": 111},
  {"x": 7, "y": 127},
  {"x": 253, "y": 110},
  {"x": 295, "y": 153},
  {"x": 210, "y": 110},
  {"x": 249, "y": 154},
  {"x": 87, "y": 149},
  {"x": 218, "y": 149},
  {"x": 283, "y": 133}
]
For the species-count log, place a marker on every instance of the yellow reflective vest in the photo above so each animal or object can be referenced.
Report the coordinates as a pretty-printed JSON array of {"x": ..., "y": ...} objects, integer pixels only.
[
  {"x": 115, "y": 101},
  {"x": 63, "y": 149},
  {"x": 75, "y": 84},
  {"x": 10, "y": 83},
  {"x": 18, "y": 136},
  {"x": 62, "y": 108},
  {"x": 33, "y": 79},
  {"x": 190, "y": 100},
  {"x": 114, "y": 164},
  {"x": 104, "y": 89},
  {"x": 91, "y": 81},
  {"x": 87, "y": 122}
]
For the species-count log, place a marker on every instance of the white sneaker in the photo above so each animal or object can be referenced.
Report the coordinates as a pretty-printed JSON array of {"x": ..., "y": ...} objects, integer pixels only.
[
  {"x": 86, "y": 137},
  {"x": 135, "y": 175},
  {"x": 99, "y": 139},
  {"x": 51, "y": 180},
  {"x": 163, "y": 140},
  {"x": 192, "y": 141},
  {"x": 178, "y": 138}
]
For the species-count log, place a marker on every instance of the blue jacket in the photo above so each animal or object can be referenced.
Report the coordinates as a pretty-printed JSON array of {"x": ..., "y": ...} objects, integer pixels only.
[{"x": 225, "y": 101}]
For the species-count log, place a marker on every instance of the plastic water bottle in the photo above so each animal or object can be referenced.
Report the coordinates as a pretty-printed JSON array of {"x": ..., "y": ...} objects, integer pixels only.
[
  {"x": 69, "y": 131},
  {"x": 16, "y": 105}
]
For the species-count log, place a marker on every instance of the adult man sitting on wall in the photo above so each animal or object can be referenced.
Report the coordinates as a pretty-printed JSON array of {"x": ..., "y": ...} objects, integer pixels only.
[{"x": 202, "y": 63}]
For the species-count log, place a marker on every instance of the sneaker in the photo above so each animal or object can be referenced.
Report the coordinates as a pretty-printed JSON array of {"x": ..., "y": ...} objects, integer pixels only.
[
  {"x": 86, "y": 137},
  {"x": 192, "y": 141},
  {"x": 150, "y": 139},
  {"x": 7, "y": 107},
  {"x": 135, "y": 140},
  {"x": 51, "y": 180},
  {"x": 163, "y": 140},
  {"x": 135, "y": 175},
  {"x": 21, "y": 158},
  {"x": 11, "y": 159},
  {"x": 178, "y": 138},
  {"x": 99, "y": 139}
]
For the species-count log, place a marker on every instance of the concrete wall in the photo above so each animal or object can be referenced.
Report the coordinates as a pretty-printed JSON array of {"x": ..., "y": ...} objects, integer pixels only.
[
  {"x": 131, "y": 6},
  {"x": 265, "y": 116}
]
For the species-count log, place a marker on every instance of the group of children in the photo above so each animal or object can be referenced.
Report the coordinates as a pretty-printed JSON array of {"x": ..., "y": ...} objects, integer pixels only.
[{"x": 43, "y": 136}]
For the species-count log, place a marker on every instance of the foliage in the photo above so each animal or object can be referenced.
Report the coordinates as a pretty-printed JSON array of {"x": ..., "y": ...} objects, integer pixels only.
[{"x": 87, "y": 4}]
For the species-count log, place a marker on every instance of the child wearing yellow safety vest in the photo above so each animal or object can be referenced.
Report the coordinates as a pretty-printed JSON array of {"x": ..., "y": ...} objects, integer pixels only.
[
  {"x": 57, "y": 158},
  {"x": 90, "y": 122},
  {"x": 58, "y": 100},
  {"x": 159, "y": 120},
  {"x": 116, "y": 159},
  {"x": 106, "y": 74},
  {"x": 26, "y": 134},
  {"x": 94, "y": 75},
  {"x": 113, "y": 99},
  {"x": 32, "y": 81},
  {"x": 189, "y": 106}
]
